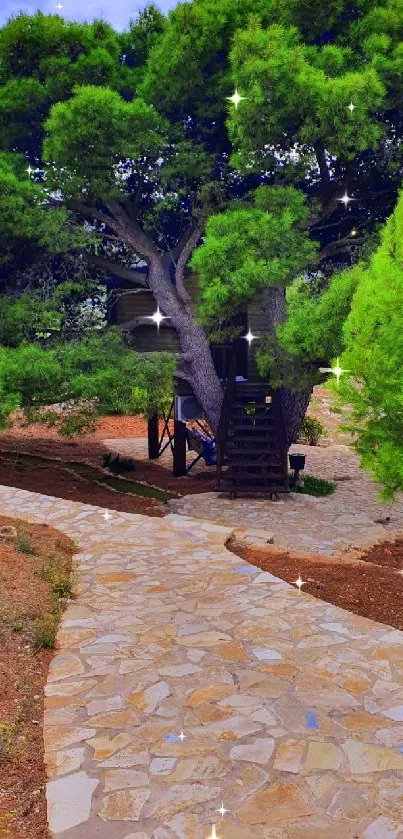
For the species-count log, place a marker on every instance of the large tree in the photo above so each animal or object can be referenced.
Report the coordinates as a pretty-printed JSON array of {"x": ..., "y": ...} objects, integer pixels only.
[{"x": 147, "y": 152}]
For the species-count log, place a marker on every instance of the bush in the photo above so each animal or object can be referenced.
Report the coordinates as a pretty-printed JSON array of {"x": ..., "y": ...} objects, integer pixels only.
[
  {"x": 315, "y": 486},
  {"x": 311, "y": 431},
  {"x": 45, "y": 631},
  {"x": 22, "y": 543},
  {"x": 60, "y": 582}
]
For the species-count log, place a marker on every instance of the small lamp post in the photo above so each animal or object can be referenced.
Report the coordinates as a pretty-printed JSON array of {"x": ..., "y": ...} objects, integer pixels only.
[{"x": 297, "y": 463}]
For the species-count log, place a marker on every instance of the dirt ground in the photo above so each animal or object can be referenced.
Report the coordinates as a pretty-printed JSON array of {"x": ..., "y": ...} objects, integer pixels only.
[
  {"x": 24, "y": 597},
  {"x": 55, "y": 480},
  {"x": 370, "y": 586}
]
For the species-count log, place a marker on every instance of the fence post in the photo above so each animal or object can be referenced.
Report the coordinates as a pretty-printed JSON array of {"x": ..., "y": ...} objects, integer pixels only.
[
  {"x": 179, "y": 453},
  {"x": 153, "y": 438}
]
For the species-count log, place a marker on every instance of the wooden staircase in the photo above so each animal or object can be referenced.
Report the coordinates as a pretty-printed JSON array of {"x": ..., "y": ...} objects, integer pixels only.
[{"x": 251, "y": 450}]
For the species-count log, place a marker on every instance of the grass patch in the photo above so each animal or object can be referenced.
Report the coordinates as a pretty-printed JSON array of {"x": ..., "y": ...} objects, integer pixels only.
[
  {"x": 22, "y": 543},
  {"x": 60, "y": 580},
  {"x": 315, "y": 486},
  {"x": 45, "y": 631}
]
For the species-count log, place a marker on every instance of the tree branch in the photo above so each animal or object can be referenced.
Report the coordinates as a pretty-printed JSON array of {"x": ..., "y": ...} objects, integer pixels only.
[
  {"x": 176, "y": 251},
  {"x": 116, "y": 269},
  {"x": 131, "y": 232},
  {"x": 86, "y": 210},
  {"x": 189, "y": 245}
]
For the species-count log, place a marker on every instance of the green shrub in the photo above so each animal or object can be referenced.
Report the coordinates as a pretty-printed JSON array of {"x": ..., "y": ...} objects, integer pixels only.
[
  {"x": 60, "y": 582},
  {"x": 78, "y": 423},
  {"x": 22, "y": 543},
  {"x": 45, "y": 631},
  {"x": 315, "y": 486},
  {"x": 311, "y": 431}
]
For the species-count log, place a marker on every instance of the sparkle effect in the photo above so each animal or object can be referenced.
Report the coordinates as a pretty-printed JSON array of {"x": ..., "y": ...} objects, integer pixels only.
[
  {"x": 59, "y": 6},
  {"x": 182, "y": 736},
  {"x": 157, "y": 318},
  {"x": 106, "y": 515},
  {"x": 213, "y": 834},
  {"x": 29, "y": 170},
  {"x": 249, "y": 337},
  {"x": 337, "y": 370},
  {"x": 345, "y": 199},
  {"x": 354, "y": 232},
  {"x": 222, "y": 810},
  {"x": 236, "y": 98},
  {"x": 351, "y": 107},
  {"x": 299, "y": 582}
]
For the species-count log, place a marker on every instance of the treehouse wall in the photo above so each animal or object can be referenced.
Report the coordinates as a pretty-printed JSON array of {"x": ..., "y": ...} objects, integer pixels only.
[{"x": 145, "y": 338}]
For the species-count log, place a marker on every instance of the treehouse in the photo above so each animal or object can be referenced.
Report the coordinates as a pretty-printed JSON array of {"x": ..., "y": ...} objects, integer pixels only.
[{"x": 251, "y": 446}]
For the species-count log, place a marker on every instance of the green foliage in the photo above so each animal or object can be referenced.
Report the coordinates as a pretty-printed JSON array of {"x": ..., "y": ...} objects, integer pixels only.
[
  {"x": 43, "y": 57},
  {"x": 315, "y": 486},
  {"x": 247, "y": 249},
  {"x": 313, "y": 329},
  {"x": 45, "y": 631},
  {"x": 21, "y": 319},
  {"x": 91, "y": 133},
  {"x": 142, "y": 35},
  {"x": 373, "y": 338},
  {"x": 187, "y": 70},
  {"x": 91, "y": 377},
  {"x": 312, "y": 333},
  {"x": 311, "y": 431},
  {"x": 22, "y": 543},
  {"x": 295, "y": 94},
  {"x": 59, "y": 581},
  {"x": 23, "y": 218}
]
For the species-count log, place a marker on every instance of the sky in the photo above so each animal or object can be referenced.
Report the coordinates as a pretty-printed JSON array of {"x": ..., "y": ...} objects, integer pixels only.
[{"x": 115, "y": 12}]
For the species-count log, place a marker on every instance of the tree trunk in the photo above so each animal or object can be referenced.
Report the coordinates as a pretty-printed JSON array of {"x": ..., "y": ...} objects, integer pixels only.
[
  {"x": 294, "y": 403},
  {"x": 197, "y": 366}
]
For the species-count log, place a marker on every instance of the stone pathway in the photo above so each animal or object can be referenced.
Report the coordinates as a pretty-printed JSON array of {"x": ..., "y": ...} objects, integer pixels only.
[
  {"x": 185, "y": 679},
  {"x": 327, "y": 525}
]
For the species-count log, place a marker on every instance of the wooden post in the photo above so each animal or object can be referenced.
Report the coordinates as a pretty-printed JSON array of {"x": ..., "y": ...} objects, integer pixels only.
[
  {"x": 153, "y": 438},
  {"x": 179, "y": 458}
]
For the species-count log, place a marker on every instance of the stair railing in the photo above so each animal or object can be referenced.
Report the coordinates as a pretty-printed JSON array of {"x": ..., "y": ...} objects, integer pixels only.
[
  {"x": 226, "y": 407},
  {"x": 280, "y": 429}
]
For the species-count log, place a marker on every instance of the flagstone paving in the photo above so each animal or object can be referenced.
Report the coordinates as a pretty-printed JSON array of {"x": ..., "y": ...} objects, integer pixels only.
[
  {"x": 185, "y": 679},
  {"x": 352, "y": 517}
]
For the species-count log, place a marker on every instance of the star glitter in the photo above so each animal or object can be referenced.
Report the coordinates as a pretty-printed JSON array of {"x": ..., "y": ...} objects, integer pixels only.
[
  {"x": 222, "y": 810},
  {"x": 351, "y": 107},
  {"x": 29, "y": 170},
  {"x": 299, "y": 582},
  {"x": 182, "y": 736},
  {"x": 336, "y": 370},
  {"x": 249, "y": 337},
  {"x": 236, "y": 98},
  {"x": 345, "y": 199},
  {"x": 106, "y": 515},
  {"x": 157, "y": 318},
  {"x": 59, "y": 6}
]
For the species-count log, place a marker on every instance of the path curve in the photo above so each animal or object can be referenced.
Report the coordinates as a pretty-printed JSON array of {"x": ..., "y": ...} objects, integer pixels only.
[{"x": 292, "y": 708}]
